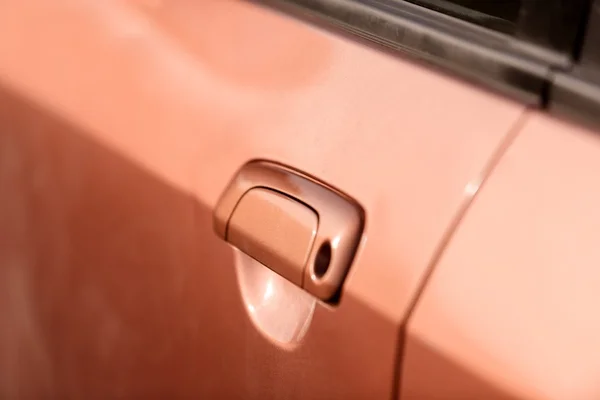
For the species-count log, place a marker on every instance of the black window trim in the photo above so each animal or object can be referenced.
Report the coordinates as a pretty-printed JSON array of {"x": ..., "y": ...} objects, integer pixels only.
[{"x": 527, "y": 66}]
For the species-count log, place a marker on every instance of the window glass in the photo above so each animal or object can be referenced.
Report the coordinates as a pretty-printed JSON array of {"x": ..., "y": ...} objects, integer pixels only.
[{"x": 500, "y": 15}]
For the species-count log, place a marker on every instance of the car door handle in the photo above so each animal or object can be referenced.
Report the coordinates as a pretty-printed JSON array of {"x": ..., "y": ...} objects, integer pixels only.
[{"x": 296, "y": 225}]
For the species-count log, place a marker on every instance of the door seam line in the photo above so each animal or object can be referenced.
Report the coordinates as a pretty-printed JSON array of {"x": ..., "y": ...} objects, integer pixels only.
[{"x": 476, "y": 184}]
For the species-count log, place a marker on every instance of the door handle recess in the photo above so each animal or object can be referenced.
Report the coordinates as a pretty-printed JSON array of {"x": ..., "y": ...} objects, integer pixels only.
[{"x": 296, "y": 225}]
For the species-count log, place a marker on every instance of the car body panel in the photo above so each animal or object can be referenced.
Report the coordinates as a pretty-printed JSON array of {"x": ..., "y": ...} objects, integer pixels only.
[
  {"x": 136, "y": 116},
  {"x": 510, "y": 310}
]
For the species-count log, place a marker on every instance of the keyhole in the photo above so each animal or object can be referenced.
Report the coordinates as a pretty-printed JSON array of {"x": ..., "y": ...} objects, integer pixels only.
[{"x": 322, "y": 260}]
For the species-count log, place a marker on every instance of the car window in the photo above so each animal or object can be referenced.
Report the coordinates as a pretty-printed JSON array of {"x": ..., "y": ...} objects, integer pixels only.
[{"x": 500, "y": 15}]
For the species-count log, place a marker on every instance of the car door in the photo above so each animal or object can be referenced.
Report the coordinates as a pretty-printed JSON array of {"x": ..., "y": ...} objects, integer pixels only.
[
  {"x": 123, "y": 125},
  {"x": 510, "y": 314}
]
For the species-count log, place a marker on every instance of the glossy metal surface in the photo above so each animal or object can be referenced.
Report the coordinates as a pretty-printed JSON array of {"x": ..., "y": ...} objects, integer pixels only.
[
  {"x": 275, "y": 230},
  {"x": 511, "y": 310},
  {"x": 511, "y": 67},
  {"x": 279, "y": 310},
  {"x": 340, "y": 221},
  {"x": 122, "y": 125}
]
